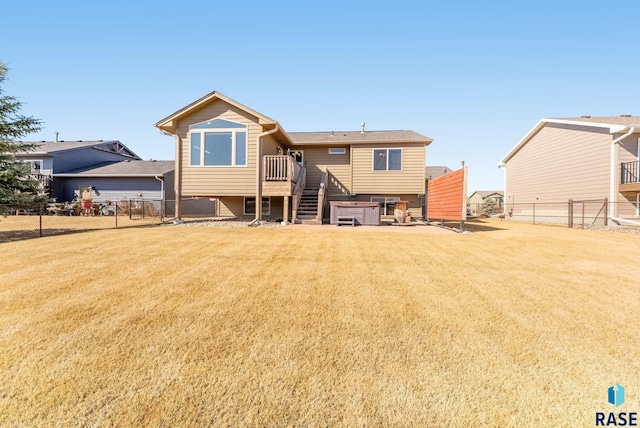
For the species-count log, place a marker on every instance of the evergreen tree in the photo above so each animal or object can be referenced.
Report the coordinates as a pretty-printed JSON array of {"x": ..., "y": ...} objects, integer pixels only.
[
  {"x": 15, "y": 185},
  {"x": 489, "y": 207}
]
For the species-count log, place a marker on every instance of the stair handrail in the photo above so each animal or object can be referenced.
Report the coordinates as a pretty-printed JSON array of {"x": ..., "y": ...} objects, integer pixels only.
[
  {"x": 322, "y": 193},
  {"x": 301, "y": 182}
]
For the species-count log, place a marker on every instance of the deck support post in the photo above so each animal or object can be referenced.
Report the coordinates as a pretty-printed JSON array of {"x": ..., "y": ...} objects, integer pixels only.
[{"x": 285, "y": 210}]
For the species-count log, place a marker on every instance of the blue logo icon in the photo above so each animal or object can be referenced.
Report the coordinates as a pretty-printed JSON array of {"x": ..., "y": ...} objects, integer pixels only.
[{"x": 616, "y": 394}]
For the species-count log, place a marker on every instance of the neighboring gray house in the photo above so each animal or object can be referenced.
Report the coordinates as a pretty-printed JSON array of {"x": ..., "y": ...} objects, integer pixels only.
[
  {"x": 56, "y": 157},
  {"x": 111, "y": 170},
  {"x": 115, "y": 181}
]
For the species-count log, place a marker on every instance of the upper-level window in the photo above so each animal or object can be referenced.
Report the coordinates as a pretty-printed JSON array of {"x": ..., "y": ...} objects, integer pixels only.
[
  {"x": 336, "y": 151},
  {"x": 36, "y": 166},
  {"x": 387, "y": 159},
  {"x": 218, "y": 142}
]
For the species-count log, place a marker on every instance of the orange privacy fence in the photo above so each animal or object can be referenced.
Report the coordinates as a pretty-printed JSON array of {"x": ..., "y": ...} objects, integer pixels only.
[{"x": 447, "y": 196}]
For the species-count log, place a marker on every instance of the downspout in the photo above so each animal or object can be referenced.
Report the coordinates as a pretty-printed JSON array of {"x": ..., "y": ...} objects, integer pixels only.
[
  {"x": 613, "y": 199},
  {"x": 161, "y": 180},
  {"x": 259, "y": 172},
  {"x": 177, "y": 177}
]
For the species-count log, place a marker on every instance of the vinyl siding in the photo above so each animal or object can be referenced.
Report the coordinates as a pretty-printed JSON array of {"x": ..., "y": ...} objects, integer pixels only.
[
  {"x": 270, "y": 146},
  {"x": 628, "y": 150},
  {"x": 114, "y": 188},
  {"x": 627, "y": 205},
  {"x": 410, "y": 180},
  {"x": 219, "y": 181},
  {"x": 339, "y": 167},
  {"x": 233, "y": 206},
  {"x": 476, "y": 199},
  {"x": 561, "y": 162}
]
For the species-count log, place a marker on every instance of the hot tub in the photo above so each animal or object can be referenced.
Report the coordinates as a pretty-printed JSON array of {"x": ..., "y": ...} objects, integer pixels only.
[{"x": 363, "y": 213}]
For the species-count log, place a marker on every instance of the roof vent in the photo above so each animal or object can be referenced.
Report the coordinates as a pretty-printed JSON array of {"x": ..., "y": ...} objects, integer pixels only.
[
  {"x": 332, "y": 134},
  {"x": 625, "y": 115},
  {"x": 362, "y": 132},
  {"x": 79, "y": 141},
  {"x": 586, "y": 117}
]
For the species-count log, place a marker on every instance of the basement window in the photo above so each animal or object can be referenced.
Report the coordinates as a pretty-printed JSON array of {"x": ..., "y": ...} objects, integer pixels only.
[
  {"x": 218, "y": 142},
  {"x": 250, "y": 206},
  {"x": 387, "y": 204}
]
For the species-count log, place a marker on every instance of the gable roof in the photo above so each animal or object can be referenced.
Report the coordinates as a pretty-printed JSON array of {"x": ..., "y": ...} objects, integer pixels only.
[
  {"x": 607, "y": 120},
  {"x": 51, "y": 147},
  {"x": 127, "y": 168},
  {"x": 358, "y": 137},
  {"x": 615, "y": 125},
  {"x": 431, "y": 172},
  {"x": 168, "y": 123},
  {"x": 485, "y": 193}
]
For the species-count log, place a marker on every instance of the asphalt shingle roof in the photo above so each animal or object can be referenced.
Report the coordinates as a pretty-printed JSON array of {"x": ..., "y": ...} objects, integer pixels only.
[
  {"x": 126, "y": 168},
  {"x": 432, "y": 172},
  {"x": 58, "y": 146},
  {"x": 351, "y": 137},
  {"x": 613, "y": 120},
  {"x": 485, "y": 193}
]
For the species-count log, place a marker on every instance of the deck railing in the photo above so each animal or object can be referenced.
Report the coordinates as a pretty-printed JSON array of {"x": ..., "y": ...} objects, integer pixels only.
[
  {"x": 629, "y": 172},
  {"x": 279, "y": 168},
  {"x": 44, "y": 181},
  {"x": 297, "y": 193},
  {"x": 322, "y": 193}
]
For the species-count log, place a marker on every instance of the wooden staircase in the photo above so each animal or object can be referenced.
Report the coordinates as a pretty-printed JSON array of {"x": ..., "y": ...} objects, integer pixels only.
[{"x": 308, "y": 208}]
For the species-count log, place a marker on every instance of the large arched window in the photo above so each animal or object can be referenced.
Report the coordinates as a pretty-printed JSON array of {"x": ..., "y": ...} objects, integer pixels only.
[{"x": 218, "y": 142}]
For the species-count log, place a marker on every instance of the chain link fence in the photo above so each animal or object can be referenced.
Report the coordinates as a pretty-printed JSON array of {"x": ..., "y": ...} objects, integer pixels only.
[
  {"x": 19, "y": 222},
  {"x": 573, "y": 213}
]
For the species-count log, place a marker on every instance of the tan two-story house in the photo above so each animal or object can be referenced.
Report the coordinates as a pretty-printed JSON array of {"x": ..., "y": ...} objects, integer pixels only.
[
  {"x": 580, "y": 158},
  {"x": 252, "y": 166}
]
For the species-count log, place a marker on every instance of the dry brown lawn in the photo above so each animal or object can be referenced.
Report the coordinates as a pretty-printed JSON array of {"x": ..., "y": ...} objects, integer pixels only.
[{"x": 514, "y": 325}]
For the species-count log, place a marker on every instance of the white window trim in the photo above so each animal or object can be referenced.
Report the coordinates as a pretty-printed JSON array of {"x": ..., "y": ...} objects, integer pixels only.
[
  {"x": 373, "y": 161},
  {"x": 337, "y": 151},
  {"x": 233, "y": 131},
  {"x": 292, "y": 153},
  {"x": 244, "y": 205},
  {"x": 31, "y": 162}
]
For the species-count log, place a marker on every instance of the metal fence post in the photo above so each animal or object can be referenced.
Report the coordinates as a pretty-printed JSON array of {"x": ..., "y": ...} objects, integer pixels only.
[
  {"x": 534, "y": 213},
  {"x": 606, "y": 211},
  {"x": 583, "y": 214},
  {"x": 41, "y": 210},
  {"x": 570, "y": 213},
  {"x": 116, "y": 214}
]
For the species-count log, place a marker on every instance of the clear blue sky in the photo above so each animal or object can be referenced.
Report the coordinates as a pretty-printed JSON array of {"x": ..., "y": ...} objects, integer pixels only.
[{"x": 475, "y": 76}]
